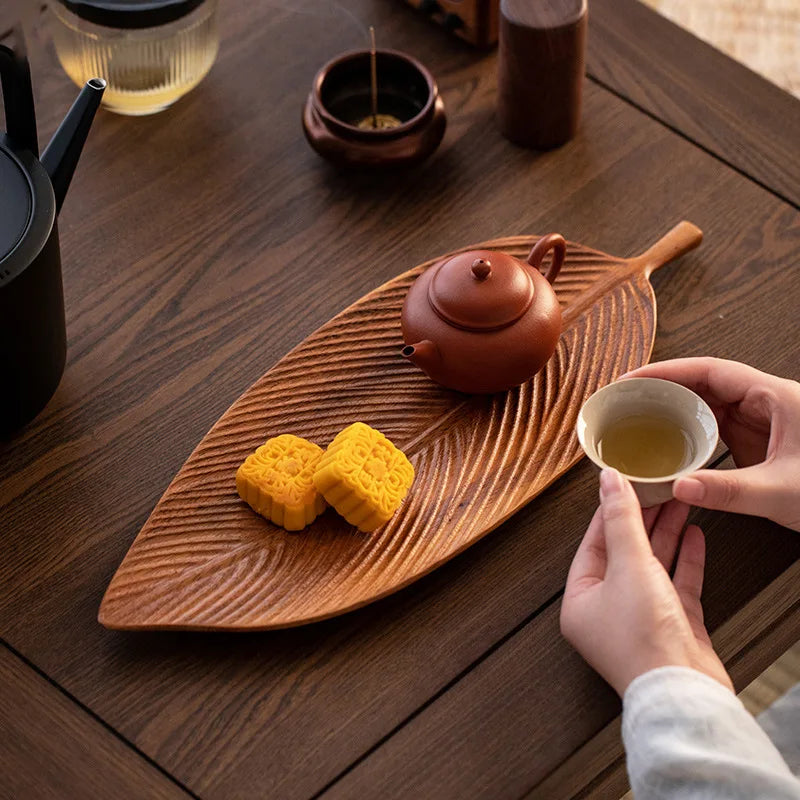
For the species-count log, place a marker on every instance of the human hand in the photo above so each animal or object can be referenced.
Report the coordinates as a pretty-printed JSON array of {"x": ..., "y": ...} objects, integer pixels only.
[
  {"x": 620, "y": 610},
  {"x": 759, "y": 420}
]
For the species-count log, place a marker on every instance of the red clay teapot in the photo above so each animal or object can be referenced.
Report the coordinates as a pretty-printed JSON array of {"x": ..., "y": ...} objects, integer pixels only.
[{"x": 483, "y": 321}]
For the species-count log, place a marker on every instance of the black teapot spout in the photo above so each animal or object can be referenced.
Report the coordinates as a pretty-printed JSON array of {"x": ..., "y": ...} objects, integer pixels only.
[{"x": 61, "y": 156}]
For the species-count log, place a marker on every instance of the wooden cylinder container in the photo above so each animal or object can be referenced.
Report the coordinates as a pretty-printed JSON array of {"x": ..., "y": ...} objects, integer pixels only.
[{"x": 540, "y": 70}]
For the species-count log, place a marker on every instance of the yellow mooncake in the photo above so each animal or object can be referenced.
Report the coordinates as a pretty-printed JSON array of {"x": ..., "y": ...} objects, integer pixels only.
[
  {"x": 364, "y": 476},
  {"x": 277, "y": 481}
]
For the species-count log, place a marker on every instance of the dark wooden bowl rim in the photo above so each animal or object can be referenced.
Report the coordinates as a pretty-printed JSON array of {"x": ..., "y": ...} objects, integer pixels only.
[{"x": 346, "y": 128}]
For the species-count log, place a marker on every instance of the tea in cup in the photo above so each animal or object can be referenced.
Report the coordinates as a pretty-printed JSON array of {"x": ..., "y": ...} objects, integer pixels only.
[{"x": 651, "y": 430}]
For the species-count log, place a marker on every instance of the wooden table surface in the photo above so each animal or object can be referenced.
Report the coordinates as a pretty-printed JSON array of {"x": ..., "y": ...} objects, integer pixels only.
[{"x": 201, "y": 244}]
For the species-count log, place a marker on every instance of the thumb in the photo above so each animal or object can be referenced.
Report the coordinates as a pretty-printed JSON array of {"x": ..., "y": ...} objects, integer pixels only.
[
  {"x": 742, "y": 491},
  {"x": 624, "y": 530}
]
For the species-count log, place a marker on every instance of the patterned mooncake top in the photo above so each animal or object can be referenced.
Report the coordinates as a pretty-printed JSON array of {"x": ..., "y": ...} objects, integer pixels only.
[
  {"x": 283, "y": 468},
  {"x": 369, "y": 465}
]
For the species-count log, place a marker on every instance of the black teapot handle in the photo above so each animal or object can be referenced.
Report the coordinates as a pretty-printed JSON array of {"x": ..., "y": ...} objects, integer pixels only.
[{"x": 15, "y": 75}]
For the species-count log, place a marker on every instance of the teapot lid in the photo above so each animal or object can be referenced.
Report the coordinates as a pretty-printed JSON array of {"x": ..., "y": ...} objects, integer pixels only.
[
  {"x": 15, "y": 203},
  {"x": 27, "y": 209},
  {"x": 481, "y": 290}
]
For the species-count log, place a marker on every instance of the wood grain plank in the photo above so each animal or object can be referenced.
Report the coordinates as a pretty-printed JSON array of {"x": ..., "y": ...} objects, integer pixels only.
[
  {"x": 230, "y": 243},
  {"x": 51, "y": 748},
  {"x": 713, "y": 100},
  {"x": 774, "y": 682},
  {"x": 595, "y": 769},
  {"x": 534, "y": 702}
]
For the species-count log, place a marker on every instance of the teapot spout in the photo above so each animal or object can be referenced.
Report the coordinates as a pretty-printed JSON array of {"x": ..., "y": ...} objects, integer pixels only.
[
  {"x": 61, "y": 156},
  {"x": 424, "y": 354}
]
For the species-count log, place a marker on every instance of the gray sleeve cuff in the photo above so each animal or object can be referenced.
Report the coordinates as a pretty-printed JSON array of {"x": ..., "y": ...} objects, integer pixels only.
[{"x": 688, "y": 736}]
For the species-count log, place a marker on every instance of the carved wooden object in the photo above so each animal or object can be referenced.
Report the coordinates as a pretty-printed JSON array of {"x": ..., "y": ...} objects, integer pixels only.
[
  {"x": 204, "y": 560},
  {"x": 540, "y": 70}
]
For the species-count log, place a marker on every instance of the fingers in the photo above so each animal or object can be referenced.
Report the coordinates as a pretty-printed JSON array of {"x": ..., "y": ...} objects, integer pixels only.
[
  {"x": 752, "y": 490},
  {"x": 649, "y": 516},
  {"x": 688, "y": 580},
  {"x": 589, "y": 563},
  {"x": 591, "y": 558},
  {"x": 667, "y": 532},
  {"x": 625, "y": 535},
  {"x": 712, "y": 378}
]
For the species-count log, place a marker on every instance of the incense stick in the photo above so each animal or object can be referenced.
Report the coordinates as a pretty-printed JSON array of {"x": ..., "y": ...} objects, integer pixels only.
[{"x": 373, "y": 63}]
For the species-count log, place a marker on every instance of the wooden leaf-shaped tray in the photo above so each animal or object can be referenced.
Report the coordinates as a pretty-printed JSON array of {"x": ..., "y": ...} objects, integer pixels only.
[{"x": 204, "y": 560}]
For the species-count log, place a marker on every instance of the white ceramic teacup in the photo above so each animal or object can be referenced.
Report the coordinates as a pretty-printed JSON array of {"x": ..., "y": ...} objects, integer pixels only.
[{"x": 660, "y": 398}]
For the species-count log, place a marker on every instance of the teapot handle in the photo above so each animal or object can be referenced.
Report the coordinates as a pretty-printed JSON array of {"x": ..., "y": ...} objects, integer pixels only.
[{"x": 554, "y": 242}]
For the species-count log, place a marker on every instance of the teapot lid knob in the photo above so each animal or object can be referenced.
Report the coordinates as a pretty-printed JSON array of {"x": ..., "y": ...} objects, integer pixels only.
[
  {"x": 481, "y": 290},
  {"x": 481, "y": 268}
]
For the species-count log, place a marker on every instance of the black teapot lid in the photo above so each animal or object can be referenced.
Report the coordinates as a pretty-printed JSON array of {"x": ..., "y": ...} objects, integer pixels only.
[
  {"x": 15, "y": 203},
  {"x": 131, "y": 13},
  {"x": 27, "y": 209}
]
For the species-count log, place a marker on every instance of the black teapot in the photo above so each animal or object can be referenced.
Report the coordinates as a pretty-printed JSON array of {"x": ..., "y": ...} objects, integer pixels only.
[{"x": 32, "y": 328}]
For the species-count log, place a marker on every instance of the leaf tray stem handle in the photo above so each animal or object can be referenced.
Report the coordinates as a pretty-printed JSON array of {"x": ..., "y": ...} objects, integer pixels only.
[{"x": 676, "y": 242}]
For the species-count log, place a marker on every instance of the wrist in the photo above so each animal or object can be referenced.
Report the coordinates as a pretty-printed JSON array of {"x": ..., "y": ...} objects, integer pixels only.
[
  {"x": 675, "y": 675},
  {"x": 645, "y": 663}
]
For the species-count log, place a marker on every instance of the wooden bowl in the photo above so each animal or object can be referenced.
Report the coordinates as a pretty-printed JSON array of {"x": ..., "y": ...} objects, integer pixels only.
[{"x": 340, "y": 97}]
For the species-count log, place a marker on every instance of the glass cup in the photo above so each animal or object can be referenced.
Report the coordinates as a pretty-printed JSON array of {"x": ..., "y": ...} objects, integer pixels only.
[{"x": 146, "y": 69}]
